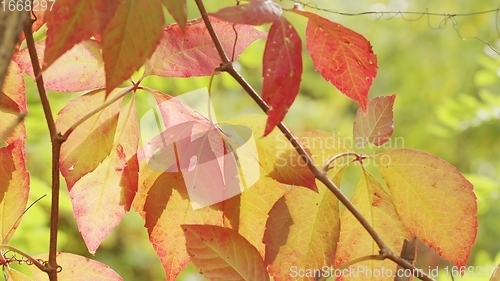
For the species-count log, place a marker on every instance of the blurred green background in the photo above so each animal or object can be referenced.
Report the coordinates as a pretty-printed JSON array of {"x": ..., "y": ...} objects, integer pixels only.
[{"x": 448, "y": 104}]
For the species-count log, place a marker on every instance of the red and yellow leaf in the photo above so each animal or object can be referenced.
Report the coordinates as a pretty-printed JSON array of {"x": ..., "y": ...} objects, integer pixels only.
[
  {"x": 302, "y": 231},
  {"x": 256, "y": 12},
  {"x": 130, "y": 38},
  {"x": 342, "y": 56},
  {"x": 14, "y": 275},
  {"x": 428, "y": 192},
  {"x": 79, "y": 69},
  {"x": 163, "y": 201},
  {"x": 12, "y": 105},
  {"x": 77, "y": 268},
  {"x": 375, "y": 204},
  {"x": 376, "y": 125},
  {"x": 178, "y": 10},
  {"x": 191, "y": 52},
  {"x": 73, "y": 21},
  {"x": 92, "y": 141},
  {"x": 14, "y": 187},
  {"x": 222, "y": 254},
  {"x": 289, "y": 167},
  {"x": 282, "y": 70},
  {"x": 101, "y": 198},
  {"x": 255, "y": 204}
]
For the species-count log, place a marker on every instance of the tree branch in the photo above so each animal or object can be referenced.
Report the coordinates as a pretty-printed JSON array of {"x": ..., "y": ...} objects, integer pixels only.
[
  {"x": 57, "y": 141},
  {"x": 227, "y": 66},
  {"x": 11, "y": 24}
]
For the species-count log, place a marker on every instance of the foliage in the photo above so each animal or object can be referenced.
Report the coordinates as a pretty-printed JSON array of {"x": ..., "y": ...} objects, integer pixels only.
[{"x": 186, "y": 181}]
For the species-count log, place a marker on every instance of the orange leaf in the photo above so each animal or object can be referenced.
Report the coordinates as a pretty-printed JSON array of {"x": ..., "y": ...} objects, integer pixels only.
[
  {"x": 14, "y": 187},
  {"x": 14, "y": 275},
  {"x": 302, "y": 231},
  {"x": 282, "y": 70},
  {"x": 79, "y": 69},
  {"x": 289, "y": 167},
  {"x": 342, "y": 56},
  {"x": 222, "y": 254},
  {"x": 130, "y": 38},
  {"x": 73, "y": 21},
  {"x": 191, "y": 52},
  {"x": 375, "y": 204},
  {"x": 178, "y": 10},
  {"x": 428, "y": 192},
  {"x": 376, "y": 125},
  {"x": 76, "y": 268},
  {"x": 101, "y": 197}
]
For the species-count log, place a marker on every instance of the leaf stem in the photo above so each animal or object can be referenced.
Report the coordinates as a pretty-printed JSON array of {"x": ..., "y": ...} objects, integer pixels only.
[
  {"x": 37, "y": 263},
  {"x": 51, "y": 268},
  {"x": 321, "y": 175},
  {"x": 95, "y": 111}
]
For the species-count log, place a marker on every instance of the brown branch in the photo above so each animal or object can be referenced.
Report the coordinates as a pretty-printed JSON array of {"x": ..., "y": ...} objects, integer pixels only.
[
  {"x": 227, "y": 66},
  {"x": 57, "y": 140},
  {"x": 11, "y": 24}
]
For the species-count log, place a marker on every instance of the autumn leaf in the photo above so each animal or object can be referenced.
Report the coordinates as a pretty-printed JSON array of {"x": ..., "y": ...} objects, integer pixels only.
[
  {"x": 375, "y": 204},
  {"x": 428, "y": 192},
  {"x": 130, "y": 38},
  {"x": 342, "y": 56},
  {"x": 97, "y": 133},
  {"x": 73, "y": 21},
  {"x": 101, "y": 198},
  {"x": 282, "y": 70},
  {"x": 191, "y": 52},
  {"x": 256, "y": 12},
  {"x": 12, "y": 106},
  {"x": 290, "y": 168},
  {"x": 222, "y": 254},
  {"x": 14, "y": 187},
  {"x": 496, "y": 274},
  {"x": 178, "y": 10},
  {"x": 14, "y": 275},
  {"x": 76, "y": 268},
  {"x": 79, "y": 69},
  {"x": 376, "y": 125},
  {"x": 162, "y": 199},
  {"x": 302, "y": 231}
]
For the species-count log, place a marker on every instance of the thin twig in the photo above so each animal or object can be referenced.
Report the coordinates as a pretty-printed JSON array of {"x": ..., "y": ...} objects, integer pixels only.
[
  {"x": 227, "y": 66},
  {"x": 28, "y": 257},
  {"x": 51, "y": 268}
]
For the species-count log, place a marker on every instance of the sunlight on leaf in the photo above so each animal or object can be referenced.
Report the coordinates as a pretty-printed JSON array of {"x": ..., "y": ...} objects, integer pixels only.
[
  {"x": 222, "y": 254},
  {"x": 434, "y": 200},
  {"x": 79, "y": 69},
  {"x": 302, "y": 231},
  {"x": 178, "y": 10},
  {"x": 375, "y": 204},
  {"x": 130, "y": 38},
  {"x": 191, "y": 52}
]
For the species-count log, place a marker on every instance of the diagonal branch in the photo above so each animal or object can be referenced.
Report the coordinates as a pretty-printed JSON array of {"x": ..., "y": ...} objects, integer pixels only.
[{"x": 319, "y": 174}]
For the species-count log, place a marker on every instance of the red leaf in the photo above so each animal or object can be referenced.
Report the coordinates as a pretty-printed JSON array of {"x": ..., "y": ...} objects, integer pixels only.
[
  {"x": 73, "y": 21},
  {"x": 376, "y": 125},
  {"x": 178, "y": 10},
  {"x": 130, "y": 38},
  {"x": 282, "y": 70},
  {"x": 76, "y": 268},
  {"x": 191, "y": 52},
  {"x": 223, "y": 254},
  {"x": 256, "y": 12},
  {"x": 342, "y": 56},
  {"x": 79, "y": 69},
  {"x": 12, "y": 104}
]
